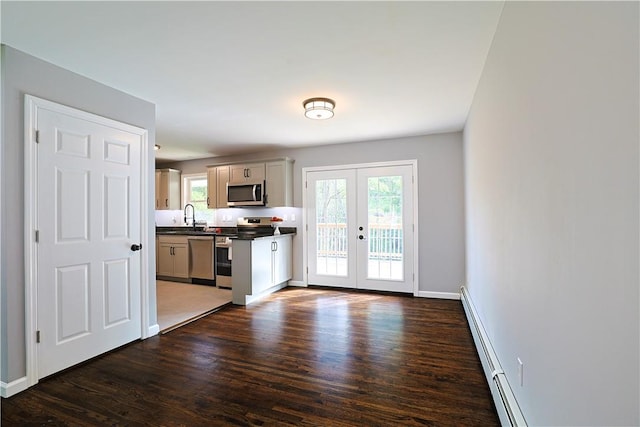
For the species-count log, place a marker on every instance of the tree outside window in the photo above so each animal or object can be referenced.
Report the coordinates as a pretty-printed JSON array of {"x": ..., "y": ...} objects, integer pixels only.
[{"x": 195, "y": 192}]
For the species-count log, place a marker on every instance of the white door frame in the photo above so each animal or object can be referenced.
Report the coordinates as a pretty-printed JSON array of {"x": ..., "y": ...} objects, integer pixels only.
[
  {"x": 305, "y": 229},
  {"x": 31, "y": 105}
]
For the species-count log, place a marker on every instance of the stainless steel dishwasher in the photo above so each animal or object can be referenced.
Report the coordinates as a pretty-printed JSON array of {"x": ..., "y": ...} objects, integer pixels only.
[{"x": 201, "y": 257}]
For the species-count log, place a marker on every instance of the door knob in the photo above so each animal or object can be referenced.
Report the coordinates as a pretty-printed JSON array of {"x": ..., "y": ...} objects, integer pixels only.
[
  {"x": 361, "y": 237},
  {"x": 135, "y": 247}
]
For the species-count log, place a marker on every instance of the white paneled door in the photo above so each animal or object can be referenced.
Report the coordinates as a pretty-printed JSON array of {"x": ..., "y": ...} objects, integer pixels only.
[
  {"x": 361, "y": 227},
  {"x": 88, "y": 222}
]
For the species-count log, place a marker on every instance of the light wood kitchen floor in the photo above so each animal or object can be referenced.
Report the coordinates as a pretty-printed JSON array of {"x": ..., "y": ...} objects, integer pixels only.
[{"x": 182, "y": 303}]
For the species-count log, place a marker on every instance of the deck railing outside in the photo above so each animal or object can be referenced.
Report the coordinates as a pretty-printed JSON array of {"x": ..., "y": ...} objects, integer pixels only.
[{"x": 385, "y": 241}]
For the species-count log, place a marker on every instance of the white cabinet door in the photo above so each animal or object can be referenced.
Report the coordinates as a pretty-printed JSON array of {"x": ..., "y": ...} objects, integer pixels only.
[
  {"x": 261, "y": 265},
  {"x": 164, "y": 190},
  {"x": 281, "y": 259},
  {"x": 181, "y": 260},
  {"x": 279, "y": 183},
  {"x": 223, "y": 179},
  {"x": 173, "y": 256},
  {"x": 158, "y": 191},
  {"x": 168, "y": 189},
  {"x": 165, "y": 259},
  {"x": 212, "y": 188},
  {"x": 253, "y": 172}
]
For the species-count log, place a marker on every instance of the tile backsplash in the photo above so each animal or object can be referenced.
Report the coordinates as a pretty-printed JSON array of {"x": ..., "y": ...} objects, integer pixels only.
[{"x": 228, "y": 217}]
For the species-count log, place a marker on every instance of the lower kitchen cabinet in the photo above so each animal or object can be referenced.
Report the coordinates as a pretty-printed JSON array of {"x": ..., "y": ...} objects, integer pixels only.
[
  {"x": 173, "y": 256},
  {"x": 281, "y": 262},
  {"x": 267, "y": 264}
]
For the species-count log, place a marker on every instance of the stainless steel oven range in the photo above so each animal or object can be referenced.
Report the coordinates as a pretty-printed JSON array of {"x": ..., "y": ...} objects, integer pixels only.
[
  {"x": 247, "y": 228},
  {"x": 223, "y": 261}
]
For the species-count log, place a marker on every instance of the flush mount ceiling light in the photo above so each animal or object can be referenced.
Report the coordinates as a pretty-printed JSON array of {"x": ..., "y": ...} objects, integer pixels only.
[{"x": 319, "y": 108}]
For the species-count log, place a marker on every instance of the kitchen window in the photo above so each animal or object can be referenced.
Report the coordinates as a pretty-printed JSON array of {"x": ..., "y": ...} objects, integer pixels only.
[{"x": 194, "y": 191}]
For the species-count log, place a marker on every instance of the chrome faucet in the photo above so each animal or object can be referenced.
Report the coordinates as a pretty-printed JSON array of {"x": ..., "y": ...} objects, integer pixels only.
[{"x": 193, "y": 215}]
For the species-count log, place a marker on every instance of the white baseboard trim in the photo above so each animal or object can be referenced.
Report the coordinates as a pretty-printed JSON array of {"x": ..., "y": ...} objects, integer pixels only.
[
  {"x": 297, "y": 283},
  {"x": 506, "y": 405},
  {"x": 439, "y": 295},
  {"x": 153, "y": 331},
  {"x": 248, "y": 299},
  {"x": 14, "y": 387}
]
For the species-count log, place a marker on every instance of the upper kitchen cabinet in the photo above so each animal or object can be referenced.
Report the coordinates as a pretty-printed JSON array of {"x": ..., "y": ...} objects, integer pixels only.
[
  {"x": 167, "y": 189},
  {"x": 212, "y": 188},
  {"x": 254, "y": 172},
  {"x": 279, "y": 183},
  {"x": 222, "y": 175},
  {"x": 217, "y": 179}
]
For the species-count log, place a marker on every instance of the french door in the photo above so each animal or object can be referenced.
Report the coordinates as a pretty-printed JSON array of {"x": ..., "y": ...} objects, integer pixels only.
[{"x": 361, "y": 227}]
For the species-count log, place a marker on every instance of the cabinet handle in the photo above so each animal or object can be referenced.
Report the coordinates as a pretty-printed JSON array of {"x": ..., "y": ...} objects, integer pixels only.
[
  {"x": 166, "y": 203},
  {"x": 207, "y": 201}
]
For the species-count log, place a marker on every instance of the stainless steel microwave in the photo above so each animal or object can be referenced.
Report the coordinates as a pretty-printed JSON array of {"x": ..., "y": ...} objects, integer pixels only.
[{"x": 246, "y": 194}]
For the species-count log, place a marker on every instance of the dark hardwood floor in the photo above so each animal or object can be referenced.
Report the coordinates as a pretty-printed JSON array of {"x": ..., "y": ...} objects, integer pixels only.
[{"x": 301, "y": 357}]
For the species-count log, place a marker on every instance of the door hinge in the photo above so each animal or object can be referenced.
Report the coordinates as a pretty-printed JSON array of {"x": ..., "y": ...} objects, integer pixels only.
[
  {"x": 37, "y": 336},
  {"x": 37, "y": 236},
  {"x": 37, "y": 136}
]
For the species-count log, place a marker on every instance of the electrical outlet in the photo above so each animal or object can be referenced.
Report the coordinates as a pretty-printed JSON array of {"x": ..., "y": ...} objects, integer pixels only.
[
  {"x": 520, "y": 372},
  {"x": 293, "y": 217}
]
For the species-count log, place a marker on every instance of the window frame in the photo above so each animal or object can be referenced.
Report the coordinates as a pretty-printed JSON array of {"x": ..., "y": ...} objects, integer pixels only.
[{"x": 186, "y": 187}]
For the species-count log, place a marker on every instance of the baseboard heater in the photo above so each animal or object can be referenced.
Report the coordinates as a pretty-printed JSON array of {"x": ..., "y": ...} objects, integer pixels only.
[{"x": 506, "y": 404}]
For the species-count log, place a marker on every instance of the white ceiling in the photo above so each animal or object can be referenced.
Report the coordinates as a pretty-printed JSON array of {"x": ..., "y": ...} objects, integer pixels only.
[{"x": 230, "y": 77}]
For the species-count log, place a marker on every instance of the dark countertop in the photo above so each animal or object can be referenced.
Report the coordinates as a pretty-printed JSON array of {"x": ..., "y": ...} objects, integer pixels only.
[
  {"x": 224, "y": 231},
  {"x": 183, "y": 231},
  {"x": 248, "y": 236}
]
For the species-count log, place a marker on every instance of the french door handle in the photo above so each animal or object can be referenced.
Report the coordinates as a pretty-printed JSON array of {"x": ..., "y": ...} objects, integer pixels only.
[{"x": 135, "y": 247}]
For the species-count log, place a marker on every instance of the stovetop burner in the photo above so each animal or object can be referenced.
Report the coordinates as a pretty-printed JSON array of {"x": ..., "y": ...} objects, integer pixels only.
[{"x": 256, "y": 226}]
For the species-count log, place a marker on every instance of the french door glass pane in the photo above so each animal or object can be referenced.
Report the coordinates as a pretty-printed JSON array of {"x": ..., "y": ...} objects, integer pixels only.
[
  {"x": 331, "y": 222},
  {"x": 385, "y": 254}
]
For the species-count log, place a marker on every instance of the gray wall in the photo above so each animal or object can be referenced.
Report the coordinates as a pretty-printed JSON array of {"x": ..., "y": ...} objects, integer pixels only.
[
  {"x": 440, "y": 204},
  {"x": 551, "y": 169},
  {"x": 23, "y": 74}
]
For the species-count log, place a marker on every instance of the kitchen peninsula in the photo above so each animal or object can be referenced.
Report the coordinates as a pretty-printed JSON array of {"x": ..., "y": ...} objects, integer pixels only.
[{"x": 261, "y": 266}]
